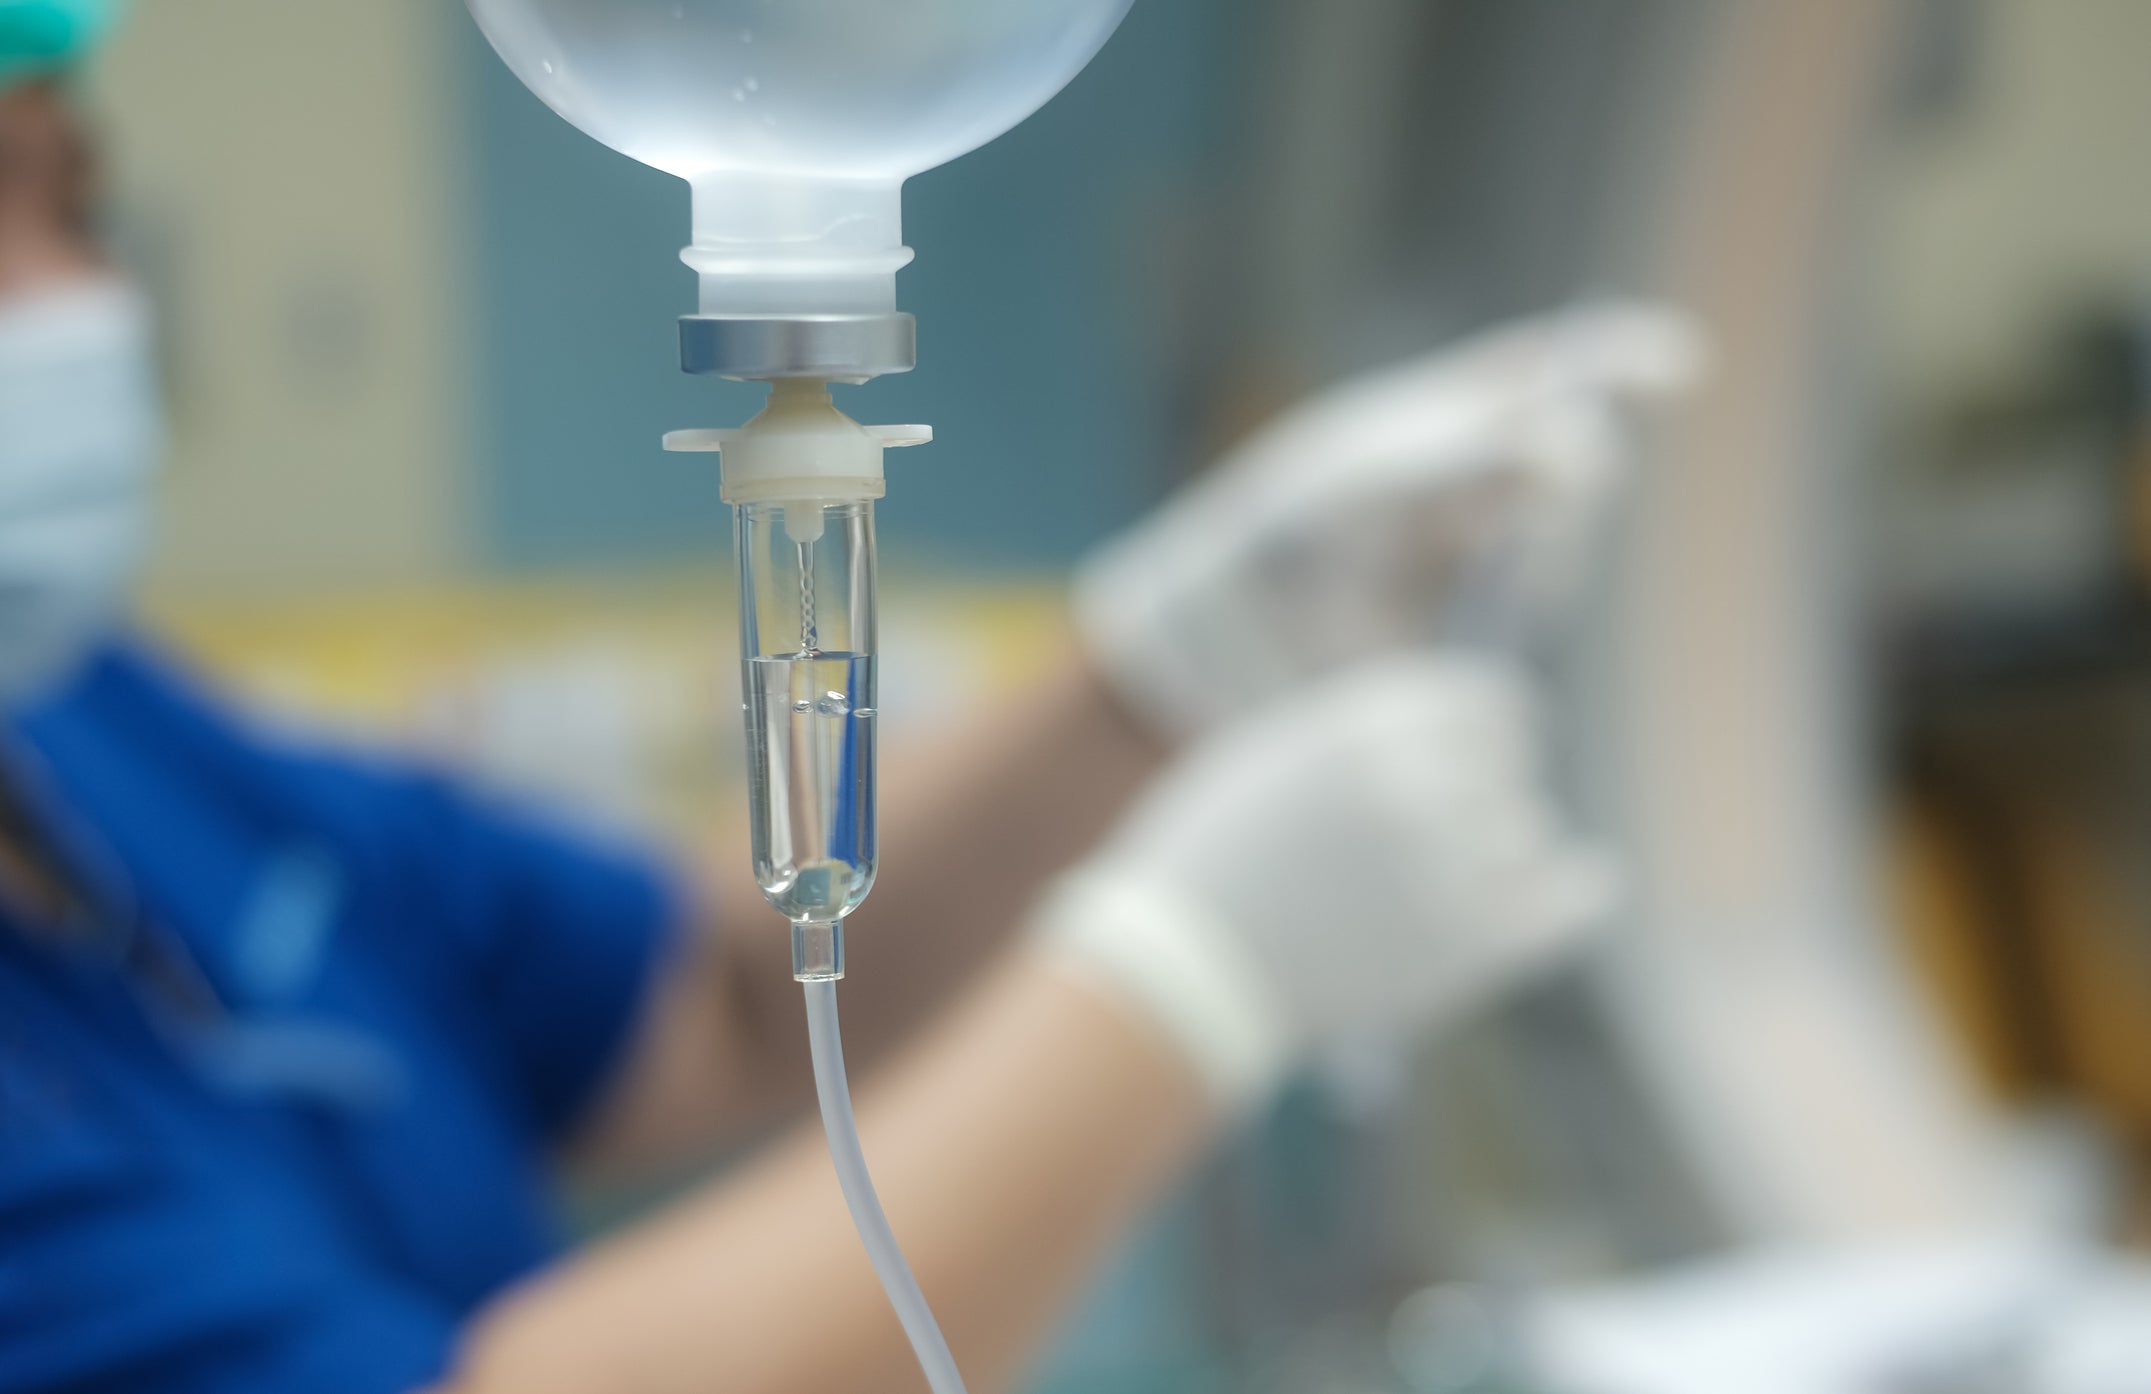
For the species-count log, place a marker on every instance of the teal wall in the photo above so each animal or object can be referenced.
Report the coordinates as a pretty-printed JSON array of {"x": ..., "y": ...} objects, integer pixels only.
[{"x": 1042, "y": 329}]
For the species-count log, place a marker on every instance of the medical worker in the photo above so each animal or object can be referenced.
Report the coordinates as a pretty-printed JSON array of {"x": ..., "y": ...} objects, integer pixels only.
[{"x": 297, "y": 1042}]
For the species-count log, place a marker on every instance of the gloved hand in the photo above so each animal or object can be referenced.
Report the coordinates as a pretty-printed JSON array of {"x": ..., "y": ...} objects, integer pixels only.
[
  {"x": 1371, "y": 856},
  {"x": 1447, "y": 499}
]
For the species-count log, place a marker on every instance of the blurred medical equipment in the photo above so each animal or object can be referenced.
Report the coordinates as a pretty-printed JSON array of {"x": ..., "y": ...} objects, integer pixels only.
[
  {"x": 796, "y": 127},
  {"x": 80, "y": 418},
  {"x": 1979, "y": 1315},
  {"x": 1415, "y": 783},
  {"x": 1451, "y": 498}
]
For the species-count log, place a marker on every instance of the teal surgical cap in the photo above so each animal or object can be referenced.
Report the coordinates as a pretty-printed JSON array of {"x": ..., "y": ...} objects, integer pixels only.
[{"x": 44, "y": 36}]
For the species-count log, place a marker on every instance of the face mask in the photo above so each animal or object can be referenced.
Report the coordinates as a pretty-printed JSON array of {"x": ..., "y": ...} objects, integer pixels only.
[{"x": 79, "y": 443}]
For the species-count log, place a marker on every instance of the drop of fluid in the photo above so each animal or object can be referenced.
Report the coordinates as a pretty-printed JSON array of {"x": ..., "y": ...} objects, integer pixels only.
[{"x": 833, "y": 704}]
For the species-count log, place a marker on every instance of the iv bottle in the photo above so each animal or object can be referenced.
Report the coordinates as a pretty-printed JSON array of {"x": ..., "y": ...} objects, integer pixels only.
[{"x": 796, "y": 124}]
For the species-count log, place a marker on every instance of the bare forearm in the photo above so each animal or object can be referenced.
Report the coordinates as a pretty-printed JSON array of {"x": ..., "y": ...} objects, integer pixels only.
[
  {"x": 974, "y": 822},
  {"x": 1011, "y": 1146}
]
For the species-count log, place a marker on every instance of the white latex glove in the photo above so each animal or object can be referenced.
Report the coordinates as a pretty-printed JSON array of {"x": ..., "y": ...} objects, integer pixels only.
[
  {"x": 1448, "y": 498},
  {"x": 1371, "y": 856}
]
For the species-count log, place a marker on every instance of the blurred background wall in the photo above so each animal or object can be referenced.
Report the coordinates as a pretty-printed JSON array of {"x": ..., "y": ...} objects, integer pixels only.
[
  {"x": 292, "y": 181},
  {"x": 2003, "y": 199}
]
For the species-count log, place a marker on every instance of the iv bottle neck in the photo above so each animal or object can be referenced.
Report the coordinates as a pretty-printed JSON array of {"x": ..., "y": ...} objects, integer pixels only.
[{"x": 784, "y": 246}]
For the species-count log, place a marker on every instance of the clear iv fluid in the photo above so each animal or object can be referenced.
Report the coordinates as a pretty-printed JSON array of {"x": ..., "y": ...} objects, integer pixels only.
[
  {"x": 842, "y": 89},
  {"x": 807, "y": 678},
  {"x": 810, "y": 771}
]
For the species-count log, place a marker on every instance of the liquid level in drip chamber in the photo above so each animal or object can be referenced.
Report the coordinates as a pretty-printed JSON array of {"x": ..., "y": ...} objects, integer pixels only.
[{"x": 811, "y": 769}]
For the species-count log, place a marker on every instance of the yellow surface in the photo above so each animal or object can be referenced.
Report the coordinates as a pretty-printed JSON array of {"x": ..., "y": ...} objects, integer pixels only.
[
  {"x": 366, "y": 661},
  {"x": 615, "y": 696},
  {"x": 1937, "y": 906}
]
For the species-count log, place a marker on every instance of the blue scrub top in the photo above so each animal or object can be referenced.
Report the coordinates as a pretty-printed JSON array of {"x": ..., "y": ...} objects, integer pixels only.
[{"x": 307, "y": 1183}]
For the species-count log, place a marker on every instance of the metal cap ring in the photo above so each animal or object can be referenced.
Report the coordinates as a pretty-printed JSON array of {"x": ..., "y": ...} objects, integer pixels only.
[{"x": 806, "y": 346}]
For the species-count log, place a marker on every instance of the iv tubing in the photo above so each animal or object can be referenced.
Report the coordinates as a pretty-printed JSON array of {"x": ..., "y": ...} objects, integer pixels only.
[{"x": 827, "y": 1045}]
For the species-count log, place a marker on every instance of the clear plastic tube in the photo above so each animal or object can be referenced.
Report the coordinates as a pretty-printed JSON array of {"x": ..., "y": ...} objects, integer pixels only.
[
  {"x": 807, "y": 641},
  {"x": 826, "y": 1043}
]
